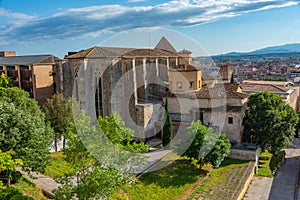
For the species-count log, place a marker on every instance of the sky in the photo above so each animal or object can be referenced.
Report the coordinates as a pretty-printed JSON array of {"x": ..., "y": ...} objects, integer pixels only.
[{"x": 206, "y": 27}]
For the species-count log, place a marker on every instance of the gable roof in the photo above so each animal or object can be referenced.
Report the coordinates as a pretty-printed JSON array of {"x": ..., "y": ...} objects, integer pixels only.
[
  {"x": 99, "y": 51},
  {"x": 219, "y": 91},
  {"x": 184, "y": 51},
  {"x": 27, "y": 60},
  {"x": 165, "y": 45},
  {"x": 252, "y": 88},
  {"x": 149, "y": 52},
  {"x": 184, "y": 67}
]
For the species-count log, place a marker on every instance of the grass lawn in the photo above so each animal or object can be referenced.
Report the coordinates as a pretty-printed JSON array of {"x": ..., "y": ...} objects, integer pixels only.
[
  {"x": 58, "y": 166},
  {"x": 176, "y": 181},
  {"x": 268, "y": 162},
  {"x": 29, "y": 189},
  {"x": 218, "y": 175}
]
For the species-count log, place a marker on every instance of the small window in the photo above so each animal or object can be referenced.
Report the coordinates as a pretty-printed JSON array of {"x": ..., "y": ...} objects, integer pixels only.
[
  {"x": 179, "y": 85},
  {"x": 191, "y": 85},
  {"x": 230, "y": 120}
]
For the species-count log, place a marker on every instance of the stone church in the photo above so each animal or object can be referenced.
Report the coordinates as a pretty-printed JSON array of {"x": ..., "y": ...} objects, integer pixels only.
[{"x": 135, "y": 82}]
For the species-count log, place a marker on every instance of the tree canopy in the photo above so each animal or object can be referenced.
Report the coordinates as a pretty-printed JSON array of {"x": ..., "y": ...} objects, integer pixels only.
[
  {"x": 91, "y": 156},
  {"x": 206, "y": 146},
  {"x": 269, "y": 122},
  {"x": 23, "y": 130},
  {"x": 58, "y": 111}
]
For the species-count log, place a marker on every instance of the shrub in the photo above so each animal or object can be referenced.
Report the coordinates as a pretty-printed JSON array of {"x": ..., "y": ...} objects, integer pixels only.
[{"x": 9, "y": 192}]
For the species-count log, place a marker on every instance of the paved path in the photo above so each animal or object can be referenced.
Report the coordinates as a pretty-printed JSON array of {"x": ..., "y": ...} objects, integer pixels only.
[
  {"x": 284, "y": 185},
  {"x": 259, "y": 189},
  {"x": 46, "y": 183}
]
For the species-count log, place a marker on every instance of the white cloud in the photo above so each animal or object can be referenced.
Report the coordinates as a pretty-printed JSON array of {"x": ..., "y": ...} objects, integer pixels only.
[
  {"x": 136, "y": 1},
  {"x": 96, "y": 20},
  {"x": 15, "y": 15}
]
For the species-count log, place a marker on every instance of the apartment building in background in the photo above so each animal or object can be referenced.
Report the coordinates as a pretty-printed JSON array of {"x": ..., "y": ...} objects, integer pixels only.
[{"x": 32, "y": 73}]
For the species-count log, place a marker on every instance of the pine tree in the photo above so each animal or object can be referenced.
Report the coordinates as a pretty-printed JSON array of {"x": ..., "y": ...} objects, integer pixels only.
[{"x": 167, "y": 128}]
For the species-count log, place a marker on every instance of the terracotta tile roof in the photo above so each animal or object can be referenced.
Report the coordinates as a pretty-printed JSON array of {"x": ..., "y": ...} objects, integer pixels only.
[
  {"x": 148, "y": 52},
  {"x": 248, "y": 87},
  {"x": 184, "y": 67},
  {"x": 98, "y": 51},
  {"x": 114, "y": 52},
  {"x": 184, "y": 51},
  {"x": 219, "y": 91},
  {"x": 206, "y": 77}
]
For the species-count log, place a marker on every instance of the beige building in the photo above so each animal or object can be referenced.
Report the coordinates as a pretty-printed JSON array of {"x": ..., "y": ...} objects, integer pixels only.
[
  {"x": 185, "y": 77},
  {"x": 34, "y": 74},
  {"x": 221, "y": 107},
  {"x": 287, "y": 92}
]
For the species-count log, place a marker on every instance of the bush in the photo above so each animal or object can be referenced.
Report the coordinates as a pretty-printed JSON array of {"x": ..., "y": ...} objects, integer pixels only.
[{"x": 9, "y": 192}]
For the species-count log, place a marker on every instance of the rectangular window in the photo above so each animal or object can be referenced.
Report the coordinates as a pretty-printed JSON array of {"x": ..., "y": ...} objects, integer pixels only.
[
  {"x": 230, "y": 120},
  {"x": 179, "y": 85},
  {"x": 191, "y": 85}
]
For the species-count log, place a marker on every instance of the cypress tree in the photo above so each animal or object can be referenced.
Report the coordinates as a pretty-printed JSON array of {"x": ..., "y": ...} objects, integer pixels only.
[
  {"x": 232, "y": 79},
  {"x": 167, "y": 128}
]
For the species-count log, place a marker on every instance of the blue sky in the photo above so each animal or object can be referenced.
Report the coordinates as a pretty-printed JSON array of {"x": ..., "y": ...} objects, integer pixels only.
[{"x": 217, "y": 26}]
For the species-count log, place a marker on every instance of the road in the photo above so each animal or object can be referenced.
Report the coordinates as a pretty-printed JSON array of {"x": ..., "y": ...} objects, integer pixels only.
[{"x": 284, "y": 186}]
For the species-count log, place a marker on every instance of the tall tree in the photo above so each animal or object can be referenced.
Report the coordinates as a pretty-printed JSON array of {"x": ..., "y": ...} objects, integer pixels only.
[
  {"x": 5, "y": 81},
  {"x": 58, "y": 112},
  {"x": 23, "y": 130},
  {"x": 167, "y": 134},
  {"x": 269, "y": 122},
  {"x": 232, "y": 79},
  {"x": 206, "y": 146},
  {"x": 90, "y": 154}
]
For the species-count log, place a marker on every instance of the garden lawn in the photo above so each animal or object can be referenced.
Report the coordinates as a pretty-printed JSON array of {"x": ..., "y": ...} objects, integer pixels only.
[
  {"x": 58, "y": 166},
  {"x": 29, "y": 189},
  {"x": 268, "y": 162},
  {"x": 175, "y": 181}
]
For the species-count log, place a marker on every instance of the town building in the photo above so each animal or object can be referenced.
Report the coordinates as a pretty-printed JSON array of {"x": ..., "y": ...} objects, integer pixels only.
[
  {"x": 33, "y": 73},
  {"x": 287, "y": 91}
]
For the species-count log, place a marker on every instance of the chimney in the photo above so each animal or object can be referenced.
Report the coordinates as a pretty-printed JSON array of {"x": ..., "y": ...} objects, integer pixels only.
[{"x": 7, "y": 53}]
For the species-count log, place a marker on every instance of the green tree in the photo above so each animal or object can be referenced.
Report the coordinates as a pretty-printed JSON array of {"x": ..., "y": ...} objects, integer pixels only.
[
  {"x": 5, "y": 81},
  {"x": 90, "y": 154},
  {"x": 114, "y": 128},
  {"x": 8, "y": 165},
  {"x": 58, "y": 112},
  {"x": 167, "y": 135},
  {"x": 206, "y": 146},
  {"x": 23, "y": 130},
  {"x": 269, "y": 122}
]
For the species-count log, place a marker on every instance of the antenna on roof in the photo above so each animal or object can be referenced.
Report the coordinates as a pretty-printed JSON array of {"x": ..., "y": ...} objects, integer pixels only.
[{"x": 149, "y": 38}]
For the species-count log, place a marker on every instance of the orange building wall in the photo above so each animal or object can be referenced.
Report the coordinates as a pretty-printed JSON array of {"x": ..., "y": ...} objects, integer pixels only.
[{"x": 43, "y": 83}]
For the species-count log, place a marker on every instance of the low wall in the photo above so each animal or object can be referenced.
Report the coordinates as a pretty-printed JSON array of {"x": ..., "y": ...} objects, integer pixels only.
[
  {"x": 245, "y": 154},
  {"x": 247, "y": 182}
]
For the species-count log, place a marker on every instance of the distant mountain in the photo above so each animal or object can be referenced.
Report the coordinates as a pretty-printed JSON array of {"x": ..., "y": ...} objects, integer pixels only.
[{"x": 287, "y": 48}]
